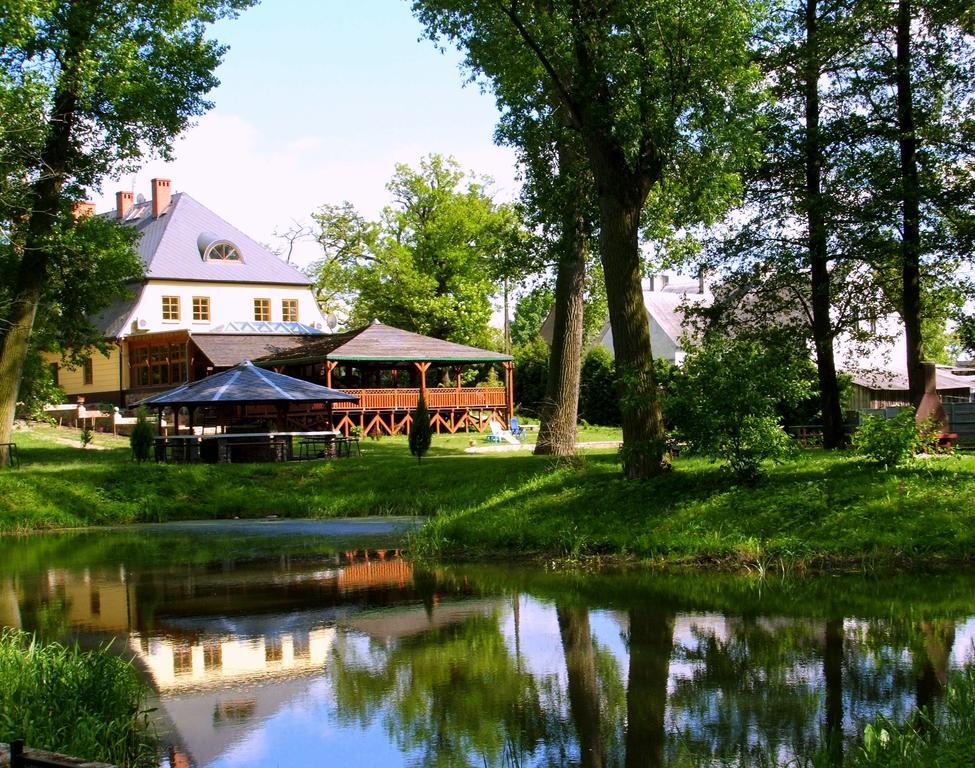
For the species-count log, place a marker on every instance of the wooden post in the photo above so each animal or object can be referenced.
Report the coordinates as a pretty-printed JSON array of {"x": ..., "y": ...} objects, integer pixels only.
[
  {"x": 509, "y": 387},
  {"x": 329, "y": 367},
  {"x": 17, "y": 753},
  {"x": 422, "y": 370},
  {"x": 282, "y": 413},
  {"x": 159, "y": 421}
]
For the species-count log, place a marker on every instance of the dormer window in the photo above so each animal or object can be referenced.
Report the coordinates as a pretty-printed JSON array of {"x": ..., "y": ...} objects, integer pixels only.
[
  {"x": 213, "y": 248},
  {"x": 222, "y": 252}
]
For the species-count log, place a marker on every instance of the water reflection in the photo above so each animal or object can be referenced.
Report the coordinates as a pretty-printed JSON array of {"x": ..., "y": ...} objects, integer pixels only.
[{"x": 285, "y": 651}]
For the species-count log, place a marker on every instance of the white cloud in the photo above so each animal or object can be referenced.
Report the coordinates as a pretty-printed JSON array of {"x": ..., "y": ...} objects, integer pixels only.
[{"x": 260, "y": 183}]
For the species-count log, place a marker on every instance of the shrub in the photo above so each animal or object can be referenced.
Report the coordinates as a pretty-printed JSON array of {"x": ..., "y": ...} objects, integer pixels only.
[
  {"x": 88, "y": 704},
  {"x": 725, "y": 403},
  {"x": 87, "y": 433},
  {"x": 37, "y": 387},
  {"x": 531, "y": 375},
  {"x": 420, "y": 433},
  {"x": 599, "y": 399},
  {"x": 142, "y": 436},
  {"x": 893, "y": 441}
]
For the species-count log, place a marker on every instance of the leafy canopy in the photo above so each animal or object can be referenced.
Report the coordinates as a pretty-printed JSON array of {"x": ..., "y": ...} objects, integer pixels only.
[{"x": 429, "y": 264}]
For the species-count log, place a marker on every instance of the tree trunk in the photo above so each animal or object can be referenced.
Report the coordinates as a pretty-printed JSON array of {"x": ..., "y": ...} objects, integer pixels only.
[
  {"x": 557, "y": 432},
  {"x": 580, "y": 668},
  {"x": 45, "y": 205},
  {"x": 651, "y": 643},
  {"x": 833, "y": 679},
  {"x": 910, "y": 206},
  {"x": 935, "y": 657},
  {"x": 644, "y": 453},
  {"x": 34, "y": 261},
  {"x": 822, "y": 327}
]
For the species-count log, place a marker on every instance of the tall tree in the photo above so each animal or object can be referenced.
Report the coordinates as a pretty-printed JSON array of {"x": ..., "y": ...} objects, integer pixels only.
[
  {"x": 912, "y": 87},
  {"x": 656, "y": 91},
  {"x": 111, "y": 81},
  {"x": 430, "y": 264},
  {"x": 786, "y": 250}
]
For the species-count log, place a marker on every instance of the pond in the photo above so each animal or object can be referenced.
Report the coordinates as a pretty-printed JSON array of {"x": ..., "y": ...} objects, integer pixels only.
[{"x": 283, "y": 643}]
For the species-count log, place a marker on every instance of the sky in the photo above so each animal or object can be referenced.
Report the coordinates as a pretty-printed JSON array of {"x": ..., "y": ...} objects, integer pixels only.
[{"x": 318, "y": 101}]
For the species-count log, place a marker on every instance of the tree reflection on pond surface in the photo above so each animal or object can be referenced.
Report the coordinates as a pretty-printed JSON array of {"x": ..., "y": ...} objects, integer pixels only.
[{"x": 291, "y": 650}]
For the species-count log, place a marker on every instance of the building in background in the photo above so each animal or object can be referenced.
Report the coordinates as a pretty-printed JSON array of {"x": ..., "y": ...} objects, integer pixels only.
[{"x": 211, "y": 297}]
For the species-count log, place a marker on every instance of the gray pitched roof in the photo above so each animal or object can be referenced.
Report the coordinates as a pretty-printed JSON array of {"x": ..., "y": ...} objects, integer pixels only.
[
  {"x": 226, "y": 349},
  {"x": 169, "y": 246},
  {"x": 111, "y": 320},
  {"x": 246, "y": 383}
]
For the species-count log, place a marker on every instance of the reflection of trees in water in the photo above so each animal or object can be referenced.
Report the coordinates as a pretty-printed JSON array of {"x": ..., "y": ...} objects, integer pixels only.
[
  {"x": 897, "y": 664},
  {"x": 754, "y": 692},
  {"x": 455, "y": 694}
]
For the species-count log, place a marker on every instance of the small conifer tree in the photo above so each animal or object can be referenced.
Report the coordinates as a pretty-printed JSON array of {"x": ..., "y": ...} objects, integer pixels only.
[
  {"x": 420, "y": 432},
  {"x": 142, "y": 437}
]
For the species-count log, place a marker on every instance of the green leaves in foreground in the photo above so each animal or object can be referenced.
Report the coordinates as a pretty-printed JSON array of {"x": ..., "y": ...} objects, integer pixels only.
[{"x": 88, "y": 704}]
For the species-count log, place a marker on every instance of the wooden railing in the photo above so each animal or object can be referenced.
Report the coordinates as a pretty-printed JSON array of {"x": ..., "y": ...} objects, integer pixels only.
[{"x": 437, "y": 398}]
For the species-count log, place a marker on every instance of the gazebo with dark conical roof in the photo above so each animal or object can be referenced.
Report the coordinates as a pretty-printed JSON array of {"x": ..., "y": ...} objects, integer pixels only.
[
  {"x": 232, "y": 391},
  {"x": 372, "y": 363}
]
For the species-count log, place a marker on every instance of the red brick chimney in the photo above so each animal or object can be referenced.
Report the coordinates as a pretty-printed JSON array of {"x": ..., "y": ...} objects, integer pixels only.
[
  {"x": 83, "y": 209},
  {"x": 161, "y": 194},
  {"x": 123, "y": 204}
]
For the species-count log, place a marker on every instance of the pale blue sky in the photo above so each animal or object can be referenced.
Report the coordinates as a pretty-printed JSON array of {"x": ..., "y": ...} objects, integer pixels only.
[{"x": 318, "y": 101}]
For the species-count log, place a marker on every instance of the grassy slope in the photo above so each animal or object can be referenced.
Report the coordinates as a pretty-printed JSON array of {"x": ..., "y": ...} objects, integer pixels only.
[{"x": 819, "y": 505}]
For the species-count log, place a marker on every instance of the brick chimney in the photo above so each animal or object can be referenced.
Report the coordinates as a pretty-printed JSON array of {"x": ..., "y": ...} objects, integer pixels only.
[
  {"x": 123, "y": 204},
  {"x": 83, "y": 209},
  {"x": 161, "y": 194}
]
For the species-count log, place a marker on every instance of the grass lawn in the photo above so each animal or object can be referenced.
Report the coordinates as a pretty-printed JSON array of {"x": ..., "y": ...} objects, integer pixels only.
[{"x": 819, "y": 507}]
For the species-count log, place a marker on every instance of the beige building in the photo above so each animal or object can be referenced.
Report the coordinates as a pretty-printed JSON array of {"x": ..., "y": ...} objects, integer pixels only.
[{"x": 211, "y": 297}]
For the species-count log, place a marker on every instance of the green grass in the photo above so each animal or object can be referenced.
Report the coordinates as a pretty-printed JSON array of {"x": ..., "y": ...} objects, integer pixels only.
[
  {"x": 88, "y": 704},
  {"x": 818, "y": 507}
]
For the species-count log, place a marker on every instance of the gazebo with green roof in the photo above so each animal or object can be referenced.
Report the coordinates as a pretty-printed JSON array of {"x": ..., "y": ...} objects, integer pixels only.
[{"x": 388, "y": 369}]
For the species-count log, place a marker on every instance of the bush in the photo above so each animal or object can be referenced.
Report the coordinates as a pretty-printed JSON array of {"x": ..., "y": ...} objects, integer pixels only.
[
  {"x": 37, "y": 387},
  {"x": 599, "y": 399},
  {"x": 725, "y": 403},
  {"x": 890, "y": 441},
  {"x": 531, "y": 375},
  {"x": 88, "y": 704},
  {"x": 142, "y": 436}
]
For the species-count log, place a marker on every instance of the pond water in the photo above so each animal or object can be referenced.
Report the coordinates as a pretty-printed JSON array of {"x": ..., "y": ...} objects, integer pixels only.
[{"x": 287, "y": 643}]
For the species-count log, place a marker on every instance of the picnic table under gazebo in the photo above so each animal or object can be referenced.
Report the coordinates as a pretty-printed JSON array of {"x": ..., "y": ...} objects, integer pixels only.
[{"x": 248, "y": 409}]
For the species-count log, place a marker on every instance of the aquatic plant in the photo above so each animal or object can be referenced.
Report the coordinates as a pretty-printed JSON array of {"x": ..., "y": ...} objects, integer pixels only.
[{"x": 89, "y": 704}]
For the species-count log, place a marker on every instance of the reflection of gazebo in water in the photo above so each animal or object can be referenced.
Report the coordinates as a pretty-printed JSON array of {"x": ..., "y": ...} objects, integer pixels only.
[
  {"x": 388, "y": 368},
  {"x": 247, "y": 394}
]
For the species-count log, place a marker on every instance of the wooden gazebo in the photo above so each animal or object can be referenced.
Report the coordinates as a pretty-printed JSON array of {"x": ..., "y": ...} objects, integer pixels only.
[
  {"x": 387, "y": 369},
  {"x": 247, "y": 392}
]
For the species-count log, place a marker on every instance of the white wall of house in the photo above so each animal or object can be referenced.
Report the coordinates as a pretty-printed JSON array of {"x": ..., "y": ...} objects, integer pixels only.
[
  {"x": 661, "y": 344},
  {"x": 229, "y": 302}
]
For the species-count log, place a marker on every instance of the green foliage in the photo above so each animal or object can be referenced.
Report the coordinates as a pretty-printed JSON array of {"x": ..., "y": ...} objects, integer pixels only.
[
  {"x": 89, "y": 704},
  {"x": 37, "y": 387},
  {"x": 428, "y": 265},
  {"x": 725, "y": 402},
  {"x": 939, "y": 741},
  {"x": 87, "y": 434},
  {"x": 421, "y": 433},
  {"x": 531, "y": 375},
  {"x": 599, "y": 389},
  {"x": 891, "y": 442},
  {"x": 530, "y": 312},
  {"x": 143, "y": 436}
]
